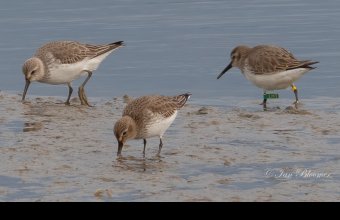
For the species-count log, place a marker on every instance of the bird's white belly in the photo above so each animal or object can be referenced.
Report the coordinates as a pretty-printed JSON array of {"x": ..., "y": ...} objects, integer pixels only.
[
  {"x": 276, "y": 81},
  {"x": 159, "y": 125},
  {"x": 65, "y": 73}
]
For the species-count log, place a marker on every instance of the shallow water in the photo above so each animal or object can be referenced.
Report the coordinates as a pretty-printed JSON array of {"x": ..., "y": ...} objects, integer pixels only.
[
  {"x": 173, "y": 46},
  {"x": 50, "y": 152},
  {"x": 235, "y": 152}
]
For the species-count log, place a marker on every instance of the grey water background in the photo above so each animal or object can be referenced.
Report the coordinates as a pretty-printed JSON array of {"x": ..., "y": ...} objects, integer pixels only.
[{"x": 173, "y": 46}]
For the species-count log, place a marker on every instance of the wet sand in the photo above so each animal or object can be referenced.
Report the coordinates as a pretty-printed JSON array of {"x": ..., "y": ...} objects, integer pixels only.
[{"x": 53, "y": 152}]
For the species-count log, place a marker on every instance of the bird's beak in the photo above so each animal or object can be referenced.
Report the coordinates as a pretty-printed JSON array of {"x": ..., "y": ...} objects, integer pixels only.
[
  {"x": 225, "y": 70},
  {"x": 26, "y": 88},
  {"x": 120, "y": 147}
]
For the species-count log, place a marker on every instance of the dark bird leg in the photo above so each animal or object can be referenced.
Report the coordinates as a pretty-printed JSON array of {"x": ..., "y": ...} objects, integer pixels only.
[
  {"x": 70, "y": 90},
  {"x": 296, "y": 95},
  {"x": 264, "y": 103},
  {"x": 144, "y": 141},
  {"x": 81, "y": 91},
  {"x": 160, "y": 147}
]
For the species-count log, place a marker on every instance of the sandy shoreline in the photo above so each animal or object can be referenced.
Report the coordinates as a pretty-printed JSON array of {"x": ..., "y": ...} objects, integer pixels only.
[{"x": 51, "y": 152}]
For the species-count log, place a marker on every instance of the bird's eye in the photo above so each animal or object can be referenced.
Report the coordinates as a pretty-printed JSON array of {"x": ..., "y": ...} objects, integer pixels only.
[
  {"x": 124, "y": 133},
  {"x": 33, "y": 72}
]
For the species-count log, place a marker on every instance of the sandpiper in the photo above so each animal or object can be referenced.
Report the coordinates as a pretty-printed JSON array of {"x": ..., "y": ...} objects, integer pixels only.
[
  {"x": 269, "y": 67},
  {"x": 148, "y": 116},
  {"x": 61, "y": 62}
]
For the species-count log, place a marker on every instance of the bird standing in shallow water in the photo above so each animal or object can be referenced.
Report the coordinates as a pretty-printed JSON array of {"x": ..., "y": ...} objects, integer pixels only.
[
  {"x": 148, "y": 116},
  {"x": 269, "y": 67},
  {"x": 61, "y": 62}
]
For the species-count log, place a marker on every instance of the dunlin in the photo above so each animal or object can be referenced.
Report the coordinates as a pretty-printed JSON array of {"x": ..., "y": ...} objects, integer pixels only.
[
  {"x": 269, "y": 67},
  {"x": 61, "y": 62},
  {"x": 148, "y": 116}
]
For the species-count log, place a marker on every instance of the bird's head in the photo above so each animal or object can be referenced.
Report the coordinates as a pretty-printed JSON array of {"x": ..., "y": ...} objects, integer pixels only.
[
  {"x": 33, "y": 69},
  {"x": 124, "y": 129},
  {"x": 237, "y": 58}
]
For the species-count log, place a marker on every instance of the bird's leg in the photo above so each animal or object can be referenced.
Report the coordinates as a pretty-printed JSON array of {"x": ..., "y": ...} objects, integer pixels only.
[
  {"x": 81, "y": 91},
  {"x": 70, "y": 90},
  {"x": 296, "y": 95},
  {"x": 264, "y": 103},
  {"x": 160, "y": 146},
  {"x": 144, "y": 141}
]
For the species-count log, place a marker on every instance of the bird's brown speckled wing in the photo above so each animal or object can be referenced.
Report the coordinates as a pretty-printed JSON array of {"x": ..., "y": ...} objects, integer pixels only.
[
  {"x": 68, "y": 52},
  {"x": 266, "y": 59},
  {"x": 161, "y": 105}
]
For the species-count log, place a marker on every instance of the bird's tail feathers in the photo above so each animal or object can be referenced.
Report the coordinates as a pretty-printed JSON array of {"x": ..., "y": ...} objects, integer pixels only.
[{"x": 182, "y": 99}]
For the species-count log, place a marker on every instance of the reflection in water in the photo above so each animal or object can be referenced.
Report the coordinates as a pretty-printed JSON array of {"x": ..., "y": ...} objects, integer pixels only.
[
  {"x": 139, "y": 164},
  {"x": 29, "y": 111},
  {"x": 32, "y": 126},
  {"x": 34, "y": 109}
]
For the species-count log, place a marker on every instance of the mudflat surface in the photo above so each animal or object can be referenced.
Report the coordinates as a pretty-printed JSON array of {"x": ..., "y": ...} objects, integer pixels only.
[{"x": 53, "y": 152}]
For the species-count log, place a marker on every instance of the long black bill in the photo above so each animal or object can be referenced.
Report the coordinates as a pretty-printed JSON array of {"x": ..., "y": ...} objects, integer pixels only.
[
  {"x": 225, "y": 70},
  {"x": 120, "y": 147},
  {"x": 25, "y": 90}
]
